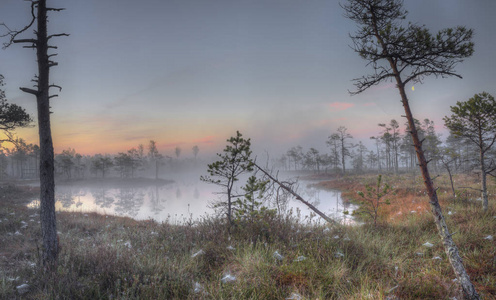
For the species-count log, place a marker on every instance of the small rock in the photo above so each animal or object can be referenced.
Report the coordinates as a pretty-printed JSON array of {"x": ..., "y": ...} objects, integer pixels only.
[
  {"x": 128, "y": 244},
  {"x": 17, "y": 233},
  {"x": 336, "y": 237},
  {"x": 427, "y": 244},
  {"x": 326, "y": 230},
  {"x": 413, "y": 211},
  {"x": 338, "y": 254},
  {"x": 300, "y": 258},
  {"x": 437, "y": 258},
  {"x": 489, "y": 238},
  {"x": 230, "y": 248},
  {"x": 419, "y": 254}
]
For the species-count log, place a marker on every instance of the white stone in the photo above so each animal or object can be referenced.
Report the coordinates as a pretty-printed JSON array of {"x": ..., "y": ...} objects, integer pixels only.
[
  {"x": 427, "y": 244},
  {"x": 489, "y": 237}
]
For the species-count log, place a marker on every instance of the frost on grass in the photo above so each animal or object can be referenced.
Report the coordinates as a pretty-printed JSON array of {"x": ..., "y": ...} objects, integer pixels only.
[
  {"x": 228, "y": 278},
  {"x": 128, "y": 244},
  {"x": 201, "y": 252},
  {"x": 277, "y": 255},
  {"x": 294, "y": 296},
  {"x": 23, "y": 288},
  {"x": 197, "y": 288}
]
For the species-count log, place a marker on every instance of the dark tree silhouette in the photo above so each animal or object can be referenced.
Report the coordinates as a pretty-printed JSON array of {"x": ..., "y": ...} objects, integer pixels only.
[
  {"x": 196, "y": 150},
  {"x": 405, "y": 55},
  {"x": 12, "y": 116},
  {"x": 39, "y": 11},
  {"x": 475, "y": 120},
  {"x": 235, "y": 161},
  {"x": 345, "y": 148}
]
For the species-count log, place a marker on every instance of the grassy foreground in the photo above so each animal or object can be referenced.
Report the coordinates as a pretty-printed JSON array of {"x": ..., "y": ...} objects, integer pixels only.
[{"x": 105, "y": 257}]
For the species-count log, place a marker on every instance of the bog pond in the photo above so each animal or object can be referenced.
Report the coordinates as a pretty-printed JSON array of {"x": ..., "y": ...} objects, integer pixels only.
[{"x": 180, "y": 201}]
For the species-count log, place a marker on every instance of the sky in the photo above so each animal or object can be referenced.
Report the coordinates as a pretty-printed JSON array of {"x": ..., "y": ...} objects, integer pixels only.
[{"x": 193, "y": 72}]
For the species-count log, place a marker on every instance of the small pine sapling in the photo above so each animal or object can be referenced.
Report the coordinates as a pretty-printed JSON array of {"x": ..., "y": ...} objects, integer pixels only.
[{"x": 373, "y": 199}]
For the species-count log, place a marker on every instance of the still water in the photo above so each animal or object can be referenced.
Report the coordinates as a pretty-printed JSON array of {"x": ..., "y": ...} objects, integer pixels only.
[{"x": 180, "y": 201}]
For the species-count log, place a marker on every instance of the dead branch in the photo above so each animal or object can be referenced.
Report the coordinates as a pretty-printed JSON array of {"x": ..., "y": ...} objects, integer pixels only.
[
  {"x": 56, "y": 86},
  {"x": 14, "y": 33},
  {"x": 29, "y": 91},
  {"x": 56, "y": 35}
]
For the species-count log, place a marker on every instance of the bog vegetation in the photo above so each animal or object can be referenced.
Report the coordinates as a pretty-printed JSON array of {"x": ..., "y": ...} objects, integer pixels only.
[{"x": 253, "y": 249}]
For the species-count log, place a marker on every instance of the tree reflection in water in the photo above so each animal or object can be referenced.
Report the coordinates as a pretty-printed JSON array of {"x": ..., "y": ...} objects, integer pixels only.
[
  {"x": 157, "y": 204},
  {"x": 102, "y": 197},
  {"x": 70, "y": 197},
  {"x": 129, "y": 201}
]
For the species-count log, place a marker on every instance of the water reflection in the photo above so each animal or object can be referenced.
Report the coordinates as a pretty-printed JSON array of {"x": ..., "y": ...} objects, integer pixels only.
[
  {"x": 129, "y": 201},
  {"x": 181, "y": 201},
  {"x": 102, "y": 197}
]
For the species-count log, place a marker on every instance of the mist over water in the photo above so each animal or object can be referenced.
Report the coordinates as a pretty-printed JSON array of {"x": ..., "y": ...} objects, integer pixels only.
[
  {"x": 183, "y": 198},
  {"x": 178, "y": 196}
]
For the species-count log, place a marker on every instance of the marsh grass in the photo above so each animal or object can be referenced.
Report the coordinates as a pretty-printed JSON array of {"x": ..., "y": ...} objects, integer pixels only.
[{"x": 107, "y": 257}]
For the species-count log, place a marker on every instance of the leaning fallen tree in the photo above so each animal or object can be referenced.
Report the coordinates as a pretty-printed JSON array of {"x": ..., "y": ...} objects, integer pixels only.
[{"x": 297, "y": 197}]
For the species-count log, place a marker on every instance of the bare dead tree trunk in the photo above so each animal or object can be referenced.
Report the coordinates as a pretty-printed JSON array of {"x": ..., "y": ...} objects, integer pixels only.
[
  {"x": 485, "y": 203},
  {"x": 47, "y": 182},
  {"x": 46, "y": 169}
]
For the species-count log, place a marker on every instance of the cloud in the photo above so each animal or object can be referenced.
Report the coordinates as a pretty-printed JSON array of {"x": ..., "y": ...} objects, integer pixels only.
[
  {"x": 369, "y": 104},
  {"x": 340, "y": 106}
]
